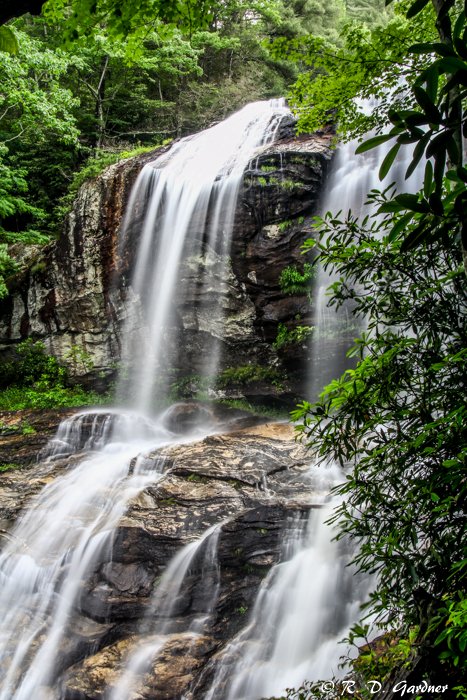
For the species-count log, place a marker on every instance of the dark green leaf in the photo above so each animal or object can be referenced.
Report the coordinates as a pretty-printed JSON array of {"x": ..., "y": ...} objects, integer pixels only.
[
  {"x": 411, "y": 201},
  {"x": 431, "y": 81},
  {"x": 445, "y": 7},
  {"x": 453, "y": 150},
  {"x": 388, "y": 161},
  {"x": 399, "y": 227},
  {"x": 390, "y": 207},
  {"x": 407, "y": 138},
  {"x": 440, "y": 165},
  {"x": 373, "y": 143},
  {"x": 461, "y": 48},
  {"x": 416, "y": 119},
  {"x": 416, "y": 8},
  {"x": 416, "y": 236},
  {"x": 418, "y": 152},
  {"x": 451, "y": 64},
  {"x": 436, "y": 204},
  {"x": 438, "y": 144},
  {"x": 8, "y": 41},
  {"x": 433, "y": 47},
  {"x": 428, "y": 179},
  {"x": 459, "y": 26},
  {"x": 432, "y": 112}
]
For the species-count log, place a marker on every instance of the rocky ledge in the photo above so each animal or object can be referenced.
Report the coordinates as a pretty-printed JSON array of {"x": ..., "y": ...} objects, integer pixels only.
[
  {"x": 76, "y": 294},
  {"x": 253, "y": 483}
]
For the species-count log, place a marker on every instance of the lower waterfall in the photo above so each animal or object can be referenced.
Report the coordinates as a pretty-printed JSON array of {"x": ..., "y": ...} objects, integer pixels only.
[
  {"x": 304, "y": 608},
  {"x": 48, "y": 568}
]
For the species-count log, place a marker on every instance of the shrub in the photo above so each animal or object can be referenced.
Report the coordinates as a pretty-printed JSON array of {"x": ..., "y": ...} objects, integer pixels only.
[
  {"x": 294, "y": 336},
  {"x": 247, "y": 374},
  {"x": 292, "y": 281}
]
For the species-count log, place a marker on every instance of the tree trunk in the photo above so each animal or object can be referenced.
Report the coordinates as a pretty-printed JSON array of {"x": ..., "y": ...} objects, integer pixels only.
[{"x": 100, "y": 96}]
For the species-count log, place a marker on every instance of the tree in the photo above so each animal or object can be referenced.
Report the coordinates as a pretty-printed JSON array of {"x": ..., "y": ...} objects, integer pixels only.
[
  {"x": 34, "y": 110},
  {"x": 398, "y": 420}
]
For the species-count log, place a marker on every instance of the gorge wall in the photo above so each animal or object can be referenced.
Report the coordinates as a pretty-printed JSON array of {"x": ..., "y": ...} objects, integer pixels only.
[{"x": 76, "y": 295}]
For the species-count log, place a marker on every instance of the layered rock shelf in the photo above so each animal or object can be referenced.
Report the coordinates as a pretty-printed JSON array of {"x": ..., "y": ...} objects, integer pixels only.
[
  {"x": 255, "y": 483},
  {"x": 77, "y": 293}
]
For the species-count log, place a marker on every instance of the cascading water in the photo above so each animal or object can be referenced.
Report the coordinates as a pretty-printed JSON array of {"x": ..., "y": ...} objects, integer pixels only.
[
  {"x": 191, "y": 194},
  {"x": 304, "y": 608},
  {"x": 351, "y": 178},
  {"x": 54, "y": 547},
  {"x": 184, "y": 205},
  {"x": 155, "y": 631},
  {"x": 308, "y": 603}
]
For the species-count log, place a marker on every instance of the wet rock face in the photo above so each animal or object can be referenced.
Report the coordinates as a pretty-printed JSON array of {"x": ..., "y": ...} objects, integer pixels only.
[
  {"x": 254, "y": 484},
  {"x": 73, "y": 298}
]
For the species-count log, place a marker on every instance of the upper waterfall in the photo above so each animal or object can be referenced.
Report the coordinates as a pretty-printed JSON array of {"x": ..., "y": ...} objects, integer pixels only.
[{"x": 188, "y": 196}]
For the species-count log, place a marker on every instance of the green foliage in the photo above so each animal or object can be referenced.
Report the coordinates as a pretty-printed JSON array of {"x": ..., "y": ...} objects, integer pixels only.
[
  {"x": 452, "y": 640},
  {"x": 38, "y": 380},
  {"x": 399, "y": 417},
  {"x": 32, "y": 368},
  {"x": 292, "y": 336},
  {"x": 435, "y": 126},
  {"x": 35, "y": 112},
  {"x": 9, "y": 466},
  {"x": 367, "y": 62},
  {"x": 288, "y": 223},
  {"x": 292, "y": 281},
  {"x": 17, "y": 398},
  {"x": 248, "y": 374},
  {"x": 376, "y": 660},
  {"x": 8, "y": 40}
]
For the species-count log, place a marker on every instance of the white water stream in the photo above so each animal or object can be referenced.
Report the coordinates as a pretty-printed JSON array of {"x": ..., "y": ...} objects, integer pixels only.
[
  {"x": 352, "y": 177},
  {"x": 304, "y": 608},
  {"x": 192, "y": 193}
]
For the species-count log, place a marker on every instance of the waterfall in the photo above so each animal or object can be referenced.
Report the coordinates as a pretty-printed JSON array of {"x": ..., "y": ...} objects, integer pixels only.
[
  {"x": 155, "y": 632},
  {"x": 53, "y": 549},
  {"x": 181, "y": 212},
  {"x": 188, "y": 197},
  {"x": 351, "y": 178},
  {"x": 304, "y": 608}
]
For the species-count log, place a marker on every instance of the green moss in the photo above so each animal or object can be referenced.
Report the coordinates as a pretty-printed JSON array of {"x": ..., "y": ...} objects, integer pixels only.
[
  {"x": 287, "y": 184},
  {"x": 9, "y": 466},
  {"x": 248, "y": 374},
  {"x": 294, "y": 281},
  {"x": 236, "y": 484},
  {"x": 294, "y": 336},
  {"x": 103, "y": 159},
  {"x": 197, "y": 479},
  {"x": 167, "y": 502}
]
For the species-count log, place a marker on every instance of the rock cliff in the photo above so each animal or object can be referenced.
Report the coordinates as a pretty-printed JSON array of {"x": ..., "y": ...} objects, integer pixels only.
[{"x": 76, "y": 294}]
